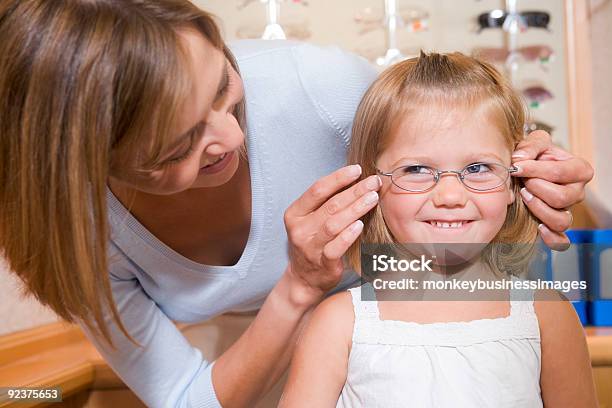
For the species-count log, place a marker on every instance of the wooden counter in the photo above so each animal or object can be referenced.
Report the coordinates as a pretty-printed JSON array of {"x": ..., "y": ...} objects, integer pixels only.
[
  {"x": 59, "y": 355},
  {"x": 599, "y": 340}
]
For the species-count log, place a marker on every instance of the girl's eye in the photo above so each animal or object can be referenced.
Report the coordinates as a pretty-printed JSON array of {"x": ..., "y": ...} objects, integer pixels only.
[
  {"x": 478, "y": 168},
  {"x": 415, "y": 169}
]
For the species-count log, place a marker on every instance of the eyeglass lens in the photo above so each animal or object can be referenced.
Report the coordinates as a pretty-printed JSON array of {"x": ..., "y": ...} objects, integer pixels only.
[{"x": 479, "y": 176}]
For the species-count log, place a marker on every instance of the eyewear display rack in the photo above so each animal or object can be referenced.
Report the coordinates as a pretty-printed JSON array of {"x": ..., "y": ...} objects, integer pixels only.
[{"x": 387, "y": 30}]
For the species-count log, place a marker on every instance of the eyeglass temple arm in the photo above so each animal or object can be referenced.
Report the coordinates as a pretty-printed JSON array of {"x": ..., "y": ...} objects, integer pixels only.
[{"x": 382, "y": 173}]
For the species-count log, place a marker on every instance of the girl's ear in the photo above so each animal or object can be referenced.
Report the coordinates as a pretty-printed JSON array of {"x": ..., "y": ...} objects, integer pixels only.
[{"x": 511, "y": 197}]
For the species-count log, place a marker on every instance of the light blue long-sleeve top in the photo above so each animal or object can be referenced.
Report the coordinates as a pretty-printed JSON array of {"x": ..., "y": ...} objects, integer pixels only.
[{"x": 301, "y": 100}]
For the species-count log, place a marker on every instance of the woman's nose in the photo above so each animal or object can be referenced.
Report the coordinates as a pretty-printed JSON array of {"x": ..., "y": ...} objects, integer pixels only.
[
  {"x": 224, "y": 133},
  {"x": 449, "y": 192}
]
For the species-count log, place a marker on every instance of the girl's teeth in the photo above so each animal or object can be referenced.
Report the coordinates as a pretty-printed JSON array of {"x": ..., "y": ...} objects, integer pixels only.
[{"x": 447, "y": 224}]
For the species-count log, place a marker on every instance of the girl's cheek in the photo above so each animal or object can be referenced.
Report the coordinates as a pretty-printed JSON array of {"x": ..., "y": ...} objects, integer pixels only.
[
  {"x": 495, "y": 211},
  {"x": 399, "y": 215}
]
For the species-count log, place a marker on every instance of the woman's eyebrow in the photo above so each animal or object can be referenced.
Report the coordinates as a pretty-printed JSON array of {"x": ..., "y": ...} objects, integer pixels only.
[{"x": 224, "y": 79}]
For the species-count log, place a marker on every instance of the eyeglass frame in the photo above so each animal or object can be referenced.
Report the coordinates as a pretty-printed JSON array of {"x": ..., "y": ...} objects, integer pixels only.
[{"x": 437, "y": 173}]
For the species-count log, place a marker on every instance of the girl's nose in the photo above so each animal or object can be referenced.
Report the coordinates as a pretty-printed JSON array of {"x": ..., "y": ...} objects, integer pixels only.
[{"x": 449, "y": 192}]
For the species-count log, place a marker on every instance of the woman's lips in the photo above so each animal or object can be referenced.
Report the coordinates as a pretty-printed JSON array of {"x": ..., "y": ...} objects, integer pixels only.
[{"x": 218, "y": 165}]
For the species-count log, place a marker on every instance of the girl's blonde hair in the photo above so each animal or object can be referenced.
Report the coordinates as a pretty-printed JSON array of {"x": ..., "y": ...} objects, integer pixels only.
[
  {"x": 82, "y": 83},
  {"x": 450, "y": 80}
]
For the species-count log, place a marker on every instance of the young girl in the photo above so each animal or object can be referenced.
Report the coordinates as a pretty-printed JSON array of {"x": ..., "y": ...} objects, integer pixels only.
[{"x": 420, "y": 119}]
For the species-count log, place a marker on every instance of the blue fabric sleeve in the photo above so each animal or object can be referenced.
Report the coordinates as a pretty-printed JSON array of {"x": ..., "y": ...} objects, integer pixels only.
[
  {"x": 167, "y": 371},
  {"x": 335, "y": 81}
]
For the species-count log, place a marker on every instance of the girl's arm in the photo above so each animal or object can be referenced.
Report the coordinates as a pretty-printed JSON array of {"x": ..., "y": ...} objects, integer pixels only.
[
  {"x": 567, "y": 378},
  {"x": 319, "y": 366}
]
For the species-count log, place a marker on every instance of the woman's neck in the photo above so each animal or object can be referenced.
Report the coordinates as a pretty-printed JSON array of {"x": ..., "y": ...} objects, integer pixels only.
[{"x": 206, "y": 225}]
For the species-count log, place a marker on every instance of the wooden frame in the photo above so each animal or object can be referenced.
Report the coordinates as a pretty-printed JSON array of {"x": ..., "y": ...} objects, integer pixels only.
[
  {"x": 580, "y": 95},
  {"x": 579, "y": 78}
]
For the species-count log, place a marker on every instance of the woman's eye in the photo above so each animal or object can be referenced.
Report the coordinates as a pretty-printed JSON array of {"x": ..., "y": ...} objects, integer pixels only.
[
  {"x": 226, "y": 86},
  {"x": 223, "y": 91},
  {"x": 193, "y": 137},
  {"x": 183, "y": 156}
]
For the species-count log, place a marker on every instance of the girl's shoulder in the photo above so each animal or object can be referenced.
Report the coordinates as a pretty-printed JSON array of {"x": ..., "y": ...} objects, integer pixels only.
[
  {"x": 566, "y": 377},
  {"x": 551, "y": 305},
  {"x": 560, "y": 326},
  {"x": 336, "y": 308},
  {"x": 334, "y": 317}
]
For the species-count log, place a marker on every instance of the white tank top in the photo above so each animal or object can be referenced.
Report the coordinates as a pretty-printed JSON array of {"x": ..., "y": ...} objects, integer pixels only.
[{"x": 478, "y": 363}]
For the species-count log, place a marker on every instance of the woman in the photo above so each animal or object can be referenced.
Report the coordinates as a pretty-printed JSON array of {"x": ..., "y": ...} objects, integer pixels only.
[{"x": 127, "y": 200}]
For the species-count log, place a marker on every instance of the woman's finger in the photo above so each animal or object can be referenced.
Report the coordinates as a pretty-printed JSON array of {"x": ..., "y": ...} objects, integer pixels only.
[
  {"x": 554, "y": 240},
  {"x": 532, "y": 146},
  {"x": 335, "y": 249},
  {"x": 322, "y": 190},
  {"x": 573, "y": 170},
  {"x": 347, "y": 197},
  {"x": 335, "y": 224},
  {"x": 559, "y": 196},
  {"x": 556, "y": 220}
]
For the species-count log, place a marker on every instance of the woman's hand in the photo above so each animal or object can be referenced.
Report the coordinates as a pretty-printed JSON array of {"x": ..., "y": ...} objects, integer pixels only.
[
  {"x": 554, "y": 181},
  {"x": 321, "y": 225}
]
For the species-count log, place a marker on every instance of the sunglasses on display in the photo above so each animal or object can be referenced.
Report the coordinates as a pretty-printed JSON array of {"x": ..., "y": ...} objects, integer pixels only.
[
  {"x": 536, "y": 95},
  {"x": 411, "y": 19},
  {"x": 526, "y": 19},
  {"x": 531, "y": 53}
]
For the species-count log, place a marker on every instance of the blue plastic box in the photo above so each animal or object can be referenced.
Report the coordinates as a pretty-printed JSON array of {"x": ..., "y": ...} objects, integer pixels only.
[
  {"x": 571, "y": 265},
  {"x": 600, "y": 260}
]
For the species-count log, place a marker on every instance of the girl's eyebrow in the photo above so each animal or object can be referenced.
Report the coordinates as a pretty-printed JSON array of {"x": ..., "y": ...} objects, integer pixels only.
[
  {"x": 484, "y": 155},
  {"x": 428, "y": 160}
]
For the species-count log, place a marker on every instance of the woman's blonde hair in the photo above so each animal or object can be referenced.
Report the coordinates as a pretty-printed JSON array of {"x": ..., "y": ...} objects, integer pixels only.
[
  {"x": 452, "y": 80},
  {"x": 83, "y": 82}
]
